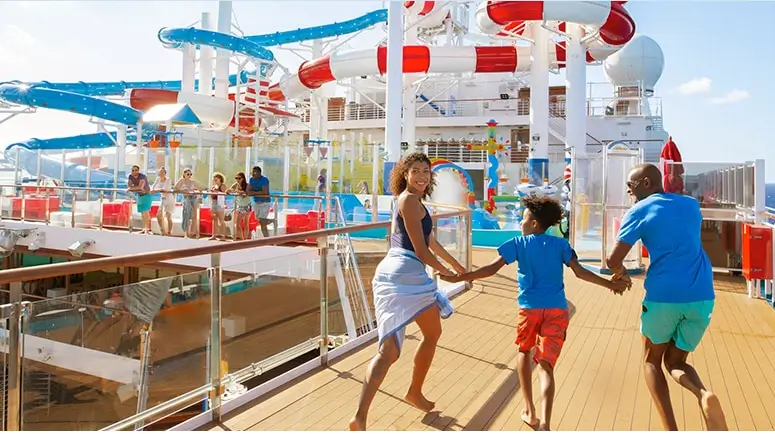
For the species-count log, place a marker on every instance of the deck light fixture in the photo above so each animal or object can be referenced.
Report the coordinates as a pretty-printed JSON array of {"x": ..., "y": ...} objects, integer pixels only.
[
  {"x": 9, "y": 237},
  {"x": 78, "y": 248}
]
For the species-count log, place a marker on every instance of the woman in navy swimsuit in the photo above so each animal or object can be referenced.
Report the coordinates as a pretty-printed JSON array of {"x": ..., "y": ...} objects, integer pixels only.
[{"x": 403, "y": 290}]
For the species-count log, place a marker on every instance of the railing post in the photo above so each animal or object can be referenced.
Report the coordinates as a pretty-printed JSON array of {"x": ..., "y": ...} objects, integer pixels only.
[
  {"x": 102, "y": 208},
  {"x": 24, "y": 199},
  {"x": 14, "y": 421},
  {"x": 216, "y": 380},
  {"x": 468, "y": 237},
  {"x": 72, "y": 211},
  {"x": 48, "y": 207},
  {"x": 323, "y": 252}
]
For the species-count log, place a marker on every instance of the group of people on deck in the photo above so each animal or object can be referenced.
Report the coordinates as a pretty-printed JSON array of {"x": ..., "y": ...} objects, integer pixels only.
[
  {"x": 251, "y": 195},
  {"x": 676, "y": 310}
]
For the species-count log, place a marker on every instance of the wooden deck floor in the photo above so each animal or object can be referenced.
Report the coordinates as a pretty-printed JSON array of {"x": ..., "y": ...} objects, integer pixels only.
[{"x": 599, "y": 375}]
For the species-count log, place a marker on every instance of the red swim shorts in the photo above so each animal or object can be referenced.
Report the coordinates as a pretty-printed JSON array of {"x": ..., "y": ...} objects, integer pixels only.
[{"x": 544, "y": 329}]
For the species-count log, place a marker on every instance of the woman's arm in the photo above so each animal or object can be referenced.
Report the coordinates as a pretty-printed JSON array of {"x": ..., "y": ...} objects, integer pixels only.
[
  {"x": 412, "y": 211},
  {"x": 438, "y": 249}
]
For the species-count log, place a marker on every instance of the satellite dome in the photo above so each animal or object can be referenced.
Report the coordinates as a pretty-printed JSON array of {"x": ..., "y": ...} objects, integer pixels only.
[{"x": 641, "y": 60}]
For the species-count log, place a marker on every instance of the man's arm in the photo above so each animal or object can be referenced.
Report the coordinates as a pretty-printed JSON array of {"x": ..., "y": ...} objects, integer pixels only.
[
  {"x": 629, "y": 234},
  {"x": 616, "y": 285}
]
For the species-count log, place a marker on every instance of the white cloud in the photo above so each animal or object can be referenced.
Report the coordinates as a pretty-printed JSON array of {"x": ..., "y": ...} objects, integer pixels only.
[
  {"x": 695, "y": 86},
  {"x": 17, "y": 37},
  {"x": 733, "y": 96},
  {"x": 17, "y": 45}
]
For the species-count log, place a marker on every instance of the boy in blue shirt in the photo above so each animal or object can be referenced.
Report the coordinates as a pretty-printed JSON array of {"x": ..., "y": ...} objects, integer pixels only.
[
  {"x": 543, "y": 311},
  {"x": 679, "y": 289}
]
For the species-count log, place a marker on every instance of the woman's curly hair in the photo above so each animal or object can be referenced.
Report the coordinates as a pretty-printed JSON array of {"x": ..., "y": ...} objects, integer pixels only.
[
  {"x": 399, "y": 174},
  {"x": 546, "y": 210}
]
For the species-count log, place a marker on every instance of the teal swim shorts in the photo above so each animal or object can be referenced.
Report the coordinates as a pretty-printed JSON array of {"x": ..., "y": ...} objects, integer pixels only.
[{"x": 684, "y": 323}]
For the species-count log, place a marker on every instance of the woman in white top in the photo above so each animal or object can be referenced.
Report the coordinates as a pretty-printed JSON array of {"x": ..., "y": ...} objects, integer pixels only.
[
  {"x": 218, "y": 207},
  {"x": 163, "y": 185}
]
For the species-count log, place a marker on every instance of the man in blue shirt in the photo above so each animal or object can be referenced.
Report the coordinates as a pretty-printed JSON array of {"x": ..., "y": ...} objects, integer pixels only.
[
  {"x": 138, "y": 184},
  {"x": 258, "y": 188},
  {"x": 679, "y": 297}
]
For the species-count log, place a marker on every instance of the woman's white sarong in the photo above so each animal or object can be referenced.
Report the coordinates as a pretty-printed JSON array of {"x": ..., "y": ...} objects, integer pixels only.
[{"x": 402, "y": 291}]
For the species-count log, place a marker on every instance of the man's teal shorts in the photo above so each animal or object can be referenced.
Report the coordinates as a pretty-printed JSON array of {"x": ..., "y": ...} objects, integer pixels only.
[{"x": 684, "y": 323}]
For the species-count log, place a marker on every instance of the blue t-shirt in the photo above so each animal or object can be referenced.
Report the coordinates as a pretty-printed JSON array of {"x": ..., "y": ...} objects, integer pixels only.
[
  {"x": 669, "y": 226},
  {"x": 540, "y": 259},
  {"x": 256, "y": 185}
]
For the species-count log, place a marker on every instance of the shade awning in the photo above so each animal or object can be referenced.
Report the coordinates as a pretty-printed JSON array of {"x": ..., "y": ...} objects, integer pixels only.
[{"x": 174, "y": 113}]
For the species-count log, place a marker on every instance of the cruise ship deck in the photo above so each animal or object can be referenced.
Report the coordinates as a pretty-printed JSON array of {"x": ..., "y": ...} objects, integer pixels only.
[{"x": 599, "y": 375}]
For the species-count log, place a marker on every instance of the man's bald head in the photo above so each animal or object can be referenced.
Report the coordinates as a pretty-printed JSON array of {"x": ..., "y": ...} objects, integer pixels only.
[{"x": 644, "y": 180}]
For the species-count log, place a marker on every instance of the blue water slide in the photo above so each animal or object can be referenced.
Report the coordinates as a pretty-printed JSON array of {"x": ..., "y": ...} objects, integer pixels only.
[
  {"x": 176, "y": 38},
  {"x": 261, "y": 41},
  {"x": 69, "y": 102},
  {"x": 432, "y": 104}
]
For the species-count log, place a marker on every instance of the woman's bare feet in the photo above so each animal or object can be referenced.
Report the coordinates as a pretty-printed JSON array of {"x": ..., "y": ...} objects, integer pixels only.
[
  {"x": 713, "y": 413},
  {"x": 528, "y": 416},
  {"x": 420, "y": 402},
  {"x": 357, "y": 425}
]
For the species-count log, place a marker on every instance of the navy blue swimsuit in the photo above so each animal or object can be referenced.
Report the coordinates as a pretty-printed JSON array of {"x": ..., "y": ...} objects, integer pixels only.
[{"x": 400, "y": 238}]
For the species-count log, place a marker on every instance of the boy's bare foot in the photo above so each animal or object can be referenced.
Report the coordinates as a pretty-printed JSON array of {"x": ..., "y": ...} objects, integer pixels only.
[
  {"x": 357, "y": 424},
  {"x": 712, "y": 412},
  {"x": 420, "y": 402},
  {"x": 542, "y": 428},
  {"x": 529, "y": 418}
]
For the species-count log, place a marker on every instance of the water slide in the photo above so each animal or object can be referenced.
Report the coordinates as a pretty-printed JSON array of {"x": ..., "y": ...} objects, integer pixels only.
[
  {"x": 83, "y": 98},
  {"x": 614, "y": 28}
]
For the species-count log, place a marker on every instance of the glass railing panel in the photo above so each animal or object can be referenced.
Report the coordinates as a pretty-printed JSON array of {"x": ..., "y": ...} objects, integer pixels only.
[
  {"x": 271, "y": 309},
  {"x": 95, "y": 358},
  {"x": 719, "y": 187}
]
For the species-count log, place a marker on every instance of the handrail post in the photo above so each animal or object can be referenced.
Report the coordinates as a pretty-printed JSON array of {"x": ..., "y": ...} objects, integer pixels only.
[
  {"x": 22, "y": 204},
  {"x": 216, "y": 380},
  {"x": 14, "y": 421},
  {"x": 468, "y": 237},
  {"x": 323, "y": 252},
  {"x": 72, "y": 211},
  {"x": 102, "y": 208},
  {"x": 48, "y": 207}
]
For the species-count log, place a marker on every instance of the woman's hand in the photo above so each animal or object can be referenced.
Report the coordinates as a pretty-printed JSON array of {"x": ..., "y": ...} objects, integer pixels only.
[{"x": 455, "y": 278}]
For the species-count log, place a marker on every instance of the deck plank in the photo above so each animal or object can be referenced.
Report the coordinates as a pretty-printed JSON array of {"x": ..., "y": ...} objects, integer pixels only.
[{"x": 599, "y": 375}]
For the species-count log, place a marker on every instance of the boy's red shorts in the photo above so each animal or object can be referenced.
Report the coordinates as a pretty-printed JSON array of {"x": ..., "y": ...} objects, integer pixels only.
[{"x": 544, "y": 329}]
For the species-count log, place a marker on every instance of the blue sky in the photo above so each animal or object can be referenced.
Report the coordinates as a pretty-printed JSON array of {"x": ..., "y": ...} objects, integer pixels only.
[{"x": 716, "y": 89}]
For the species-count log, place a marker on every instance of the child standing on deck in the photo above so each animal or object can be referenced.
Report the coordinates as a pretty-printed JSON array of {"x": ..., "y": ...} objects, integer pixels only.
[{"x": 543, "y": 315}]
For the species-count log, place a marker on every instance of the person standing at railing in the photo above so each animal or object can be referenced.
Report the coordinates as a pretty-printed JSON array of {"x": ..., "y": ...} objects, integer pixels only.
[
  {"x": 190, "y": 190},
  {"x": 218, "y": 206},
  {"x": 240, "y": 190},
  {"x": 320, "y": 187},
  {"x": 403, "y": 290},
  {"x": 680, "y": 296},
  {"x": 258, "y": 189},
  {"x": 138, "y": 184},
  {"x": 163, "y": 185}
]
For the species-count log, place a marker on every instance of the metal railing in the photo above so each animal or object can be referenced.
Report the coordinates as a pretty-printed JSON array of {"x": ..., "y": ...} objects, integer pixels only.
[
  {"x": 86, "y": 207},
  {"x": 135, "y": 304}
]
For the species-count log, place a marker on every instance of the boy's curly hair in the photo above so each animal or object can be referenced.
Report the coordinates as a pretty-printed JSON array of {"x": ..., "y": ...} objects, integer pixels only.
[
  {"x": 545, "y": 209},
  {"x": 399, "y": 173}
]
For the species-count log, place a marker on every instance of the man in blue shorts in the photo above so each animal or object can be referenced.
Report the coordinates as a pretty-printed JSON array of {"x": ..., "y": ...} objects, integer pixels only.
[
  {"x": 258, "y": 188},
  {"x": 679, "y": 289}
]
